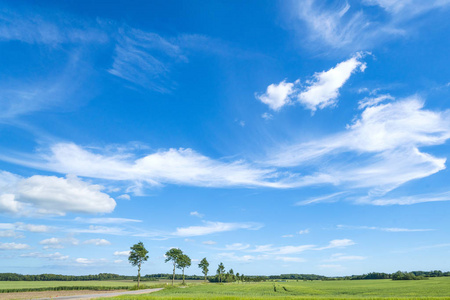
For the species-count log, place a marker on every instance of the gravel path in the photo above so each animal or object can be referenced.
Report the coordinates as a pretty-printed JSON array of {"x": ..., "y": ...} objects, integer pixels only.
[{"x": 102, "y": 295}]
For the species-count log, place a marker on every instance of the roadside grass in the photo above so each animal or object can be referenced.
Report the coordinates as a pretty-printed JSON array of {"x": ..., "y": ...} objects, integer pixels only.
[
  {"x": 95, "y": 285},
  {"x": 435, "y": 288}
]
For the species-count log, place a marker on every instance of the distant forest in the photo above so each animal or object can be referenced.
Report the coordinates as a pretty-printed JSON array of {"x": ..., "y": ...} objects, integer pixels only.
[{"x": 414, "y": 275}]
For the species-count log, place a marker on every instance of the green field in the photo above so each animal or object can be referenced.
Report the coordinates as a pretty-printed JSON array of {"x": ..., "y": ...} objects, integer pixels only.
[
  {"x": 28, "y": 286},
  {"x": 434, "y": 288}
]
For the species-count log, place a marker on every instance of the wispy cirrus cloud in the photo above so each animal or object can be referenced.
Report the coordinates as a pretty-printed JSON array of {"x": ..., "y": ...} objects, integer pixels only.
[
  {"x": 343, "y": 257},
  {"x": 106, "y": 220},
  {"x": 386, "y": 135},
  {"x": 49, "y": 256},
  {"x": 145, "y": 58},
  {"x": 213, "y": 227},
  {"x": 350, "y": 26},
  {"x": 387, "y": 229}
]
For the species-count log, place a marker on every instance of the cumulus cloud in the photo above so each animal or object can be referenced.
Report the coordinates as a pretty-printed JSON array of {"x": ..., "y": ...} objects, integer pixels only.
[
  {"x": 51, "y": 195},
  {"x": 13, "y": 246},
  {"x": 97, "y": 242},
  {"x": 214, "y": 227},
  {"x": 323, "y": 90},
  {"x": 58, "y": 243},
  {"x": 277, "y": 95},
  {"x": 319, "y": 92}
]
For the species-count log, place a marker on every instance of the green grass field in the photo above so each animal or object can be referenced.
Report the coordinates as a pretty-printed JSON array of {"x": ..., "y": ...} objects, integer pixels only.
[
  {"x": 28, "y": 286},
  {"x": 434, "y": 288}
]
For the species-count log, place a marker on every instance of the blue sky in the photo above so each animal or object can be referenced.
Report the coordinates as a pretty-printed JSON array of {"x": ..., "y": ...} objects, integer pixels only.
[{"x": 275, "y": 137}]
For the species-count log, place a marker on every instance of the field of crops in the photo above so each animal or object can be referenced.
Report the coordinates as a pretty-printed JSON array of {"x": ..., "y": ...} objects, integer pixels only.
[{"x": 434, "y": 288}]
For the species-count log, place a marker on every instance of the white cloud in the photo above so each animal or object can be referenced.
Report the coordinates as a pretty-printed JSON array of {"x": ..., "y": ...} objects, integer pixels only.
[
  {"x": 343, "y": 257},
  {"x": 50, "y": 256},
  {"x": 372, "y": 101},
  {"x": 390, "y": 135},
  {"x": 237, "y": 247},
  {"x": 51, "y": 195},
  {"x": 327, "y": 198},
  {"x": 214, "y": 227},
  {"x": 283, "y": 250},
  {"x": 124, "y": 197},
  {"x": 58, "y": 243},
  {"x": 10, "y": 233},
  {"x": 98, "y": 242},
  {"x": 209, "y": 242},
  {"x": 174, "y": 166},
  {"x": 319, "y": 92},
  {"x": 118, "y": 261},
  {"x": 340, "y": 25},
  {"x": 122, "y": 253},
  {"x": 323, "y": 90},
  {"x": 29, "y": 26},
  {"x": 13, "y": 246},
  {"x": 85, "y": 261},
  {"x": 387, "y": 229},
  {"x": 267, "y": 116},
  {"x": 330, "y": 266},
  {"x": 406, "y": 200},
  {"x": 287, "y": 236},
  {"x": 107, "y": 220},
  {"x": 196, "y": 214},
  {"x": 337, "y": 244},
  {"x": 290, "y": 259},
  {"x": 303, "y": 231},
  {"x": 243, "y": 258},
  {"x": 277, "y": 95},
  {"x": 101, "y": 230},
  {"x": 145, "y": 58}
]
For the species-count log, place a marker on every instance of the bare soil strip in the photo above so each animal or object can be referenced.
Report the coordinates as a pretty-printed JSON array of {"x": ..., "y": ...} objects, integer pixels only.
[{"x": 71, "y": 295}]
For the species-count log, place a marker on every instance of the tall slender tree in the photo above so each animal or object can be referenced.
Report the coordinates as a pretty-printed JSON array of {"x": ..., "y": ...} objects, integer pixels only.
[
  {"x": 138, "y": 255},
  {"x": 204, "y": 264},
  {"x": 173, "y": 255},
  {"x": 220, "y": 271},
  {"x": 184, "y": 261}
]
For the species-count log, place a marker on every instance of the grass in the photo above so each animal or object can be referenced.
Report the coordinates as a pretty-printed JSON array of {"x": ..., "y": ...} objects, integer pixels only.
[{"x": 435, "y": 288}]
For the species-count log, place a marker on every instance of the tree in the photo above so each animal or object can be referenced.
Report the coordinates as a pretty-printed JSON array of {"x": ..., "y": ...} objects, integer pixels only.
[
  {"x": 173, "y": 255},
  {"x": 231, "y": 272},
  {"x": 138, "y": 255},
  {"x": 237, "y": 276},
  {"x": 184, "y": 261},
  {"x": 204, "y": 264},
  {"x": 220, "y": 271}
]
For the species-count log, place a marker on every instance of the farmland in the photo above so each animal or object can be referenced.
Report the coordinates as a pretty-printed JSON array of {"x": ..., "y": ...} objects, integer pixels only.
[{"x": 438, "y": 288}]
